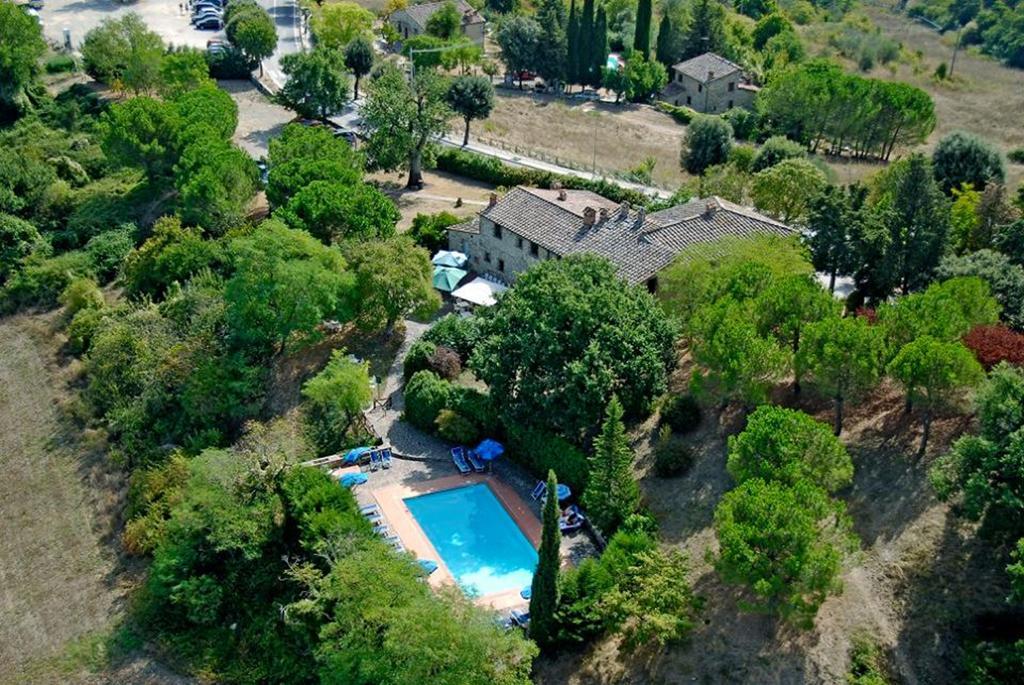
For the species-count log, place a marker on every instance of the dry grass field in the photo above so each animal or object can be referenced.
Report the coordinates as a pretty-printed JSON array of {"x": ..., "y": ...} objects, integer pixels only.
[
  {"x": 919, "y": 584},
  {"x": 62, "y": 586},
  {"x": 984, "y": 97},
  {"x": 582, "y": 135}
]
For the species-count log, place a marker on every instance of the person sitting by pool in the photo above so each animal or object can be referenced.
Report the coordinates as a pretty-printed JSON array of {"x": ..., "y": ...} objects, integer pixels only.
[{"x": 571, "y": 519}]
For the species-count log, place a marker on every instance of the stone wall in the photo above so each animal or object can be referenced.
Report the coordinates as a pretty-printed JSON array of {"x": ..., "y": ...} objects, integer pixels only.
[{"x": 502, "y": 256}]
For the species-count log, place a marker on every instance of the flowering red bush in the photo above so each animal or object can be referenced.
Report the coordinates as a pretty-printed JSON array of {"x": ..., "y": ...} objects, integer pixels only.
[
  {"x": 993, "y": 344},
  {"x": 867, "y": 313}
]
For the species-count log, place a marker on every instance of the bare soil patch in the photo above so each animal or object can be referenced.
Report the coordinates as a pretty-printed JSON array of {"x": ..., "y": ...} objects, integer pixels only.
[{"x": 441, "y": 193}]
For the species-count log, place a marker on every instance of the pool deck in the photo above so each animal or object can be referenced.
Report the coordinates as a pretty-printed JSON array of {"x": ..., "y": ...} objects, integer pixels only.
[{"x": 391, "y": 499}]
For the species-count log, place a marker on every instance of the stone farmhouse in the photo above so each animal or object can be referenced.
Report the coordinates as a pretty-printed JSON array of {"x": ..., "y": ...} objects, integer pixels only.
[
  {"x": 530, "y": 224},
  {"x": 709, "y": 84},
  {"x": 412, "y": 21}
]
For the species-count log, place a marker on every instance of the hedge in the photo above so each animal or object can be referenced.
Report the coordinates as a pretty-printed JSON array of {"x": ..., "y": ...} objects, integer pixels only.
[
  {"x": 495, "y": 172},
  {"x": 538, "y": 452},
  {"x": 684, "y": 115}
]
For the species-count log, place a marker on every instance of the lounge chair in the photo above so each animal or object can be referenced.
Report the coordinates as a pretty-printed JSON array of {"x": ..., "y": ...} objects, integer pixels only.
[
  {"x": 382, "y": 529},
  {"x": 375, "y": 462},
  {"x": 475, "y": 461},
  {"x": 572, "y": 519},
  {"x": 395, "y": 543},
  {"x": 459, "y": 459},
  {"x": 539, "y": 490},
  {"x": 369, "y": 509},
  {"x": 385, "y": 457},
  {"x": 373, "y": 517}
]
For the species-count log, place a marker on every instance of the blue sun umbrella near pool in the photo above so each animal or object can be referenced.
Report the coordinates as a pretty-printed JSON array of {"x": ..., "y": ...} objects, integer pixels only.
[
  {"x": 446, "y": 278},
  {"x": 489, "y": 450},
  {"x": 350, "y": 480},
  {"x": 354, "y": 455}
]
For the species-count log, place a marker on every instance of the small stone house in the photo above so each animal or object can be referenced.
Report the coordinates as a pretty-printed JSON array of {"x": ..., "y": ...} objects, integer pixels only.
[
  {"x": 709, "y": 84},
  {"x": 529, "y": 225},
  {"x": 412, "y": 21}
]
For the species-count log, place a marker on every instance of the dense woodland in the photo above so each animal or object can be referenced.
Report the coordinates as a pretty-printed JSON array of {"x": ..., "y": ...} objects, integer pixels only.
[{"x": 132, "y": 213}]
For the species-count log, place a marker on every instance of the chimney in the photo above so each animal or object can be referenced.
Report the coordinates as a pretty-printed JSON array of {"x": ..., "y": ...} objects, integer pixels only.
[
  {"x": 710, "y": 207},
  {"x": 711, "y": 76},
  {"x": 562, "y": 195},
  {"x": 603, "y": 215},
  {"x": 589, "y": 216},
  {"x": 641, "y": 216},
  {"x": 624, "y": 210},
  {"x": 492, "y": 200}
]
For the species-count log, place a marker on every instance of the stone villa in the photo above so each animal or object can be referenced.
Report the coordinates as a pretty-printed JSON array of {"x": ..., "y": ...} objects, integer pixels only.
[
  {"x": 412, "y": 21},
  {"x": 531, "y": 224},
  {"x": 710, "y": 84}
]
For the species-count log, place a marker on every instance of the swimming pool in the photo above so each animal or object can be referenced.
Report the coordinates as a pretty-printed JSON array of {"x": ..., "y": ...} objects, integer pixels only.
[{"x": 478, "y": 541}]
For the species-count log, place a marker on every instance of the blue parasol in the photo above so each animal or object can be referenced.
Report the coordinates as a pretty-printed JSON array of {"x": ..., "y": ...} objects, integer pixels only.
[
  {"x": 352, "y": 479},
  {"x": 446, "y": 278},
  {"x": 489, "y": 450},
  {"x": 353, "y": 455},
  {"x": 428, "y": 565},
  {"x": 449, "y": 258},
  {"x": 564, "y": 492},
  {"x": 526, "y": 592}
]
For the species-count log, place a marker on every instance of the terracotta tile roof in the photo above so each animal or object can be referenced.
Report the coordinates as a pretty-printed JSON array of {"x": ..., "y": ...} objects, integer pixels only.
[
  {"x": 698, "y": 67},
  {"x": 638, "y": 244},
  {"x": 421, "y": 13}
]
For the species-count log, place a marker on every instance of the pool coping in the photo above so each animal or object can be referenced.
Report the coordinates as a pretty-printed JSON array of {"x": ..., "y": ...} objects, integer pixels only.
[{"x": 391, "y": 500}]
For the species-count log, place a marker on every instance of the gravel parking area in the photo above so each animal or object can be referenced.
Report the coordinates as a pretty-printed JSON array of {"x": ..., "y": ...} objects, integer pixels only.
[{"x": 166, "y": 17}]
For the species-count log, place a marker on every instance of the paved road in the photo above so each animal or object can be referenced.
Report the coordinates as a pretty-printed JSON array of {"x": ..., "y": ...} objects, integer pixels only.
[{"x": 288, "y": 19}]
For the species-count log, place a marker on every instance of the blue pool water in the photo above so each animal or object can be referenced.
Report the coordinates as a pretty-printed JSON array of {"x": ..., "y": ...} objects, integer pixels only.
[{"x": 477, "y": 539}]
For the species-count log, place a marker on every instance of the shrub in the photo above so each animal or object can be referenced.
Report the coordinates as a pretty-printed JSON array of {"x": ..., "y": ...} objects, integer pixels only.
[
  {"x": 459, "y": 333},
  {"x": 1016, "y": 155},
  {"x": 81, "y": 293},
  {"x": 425, "y": 396},
  {"x": 744, "y": 122},
  {"x": 681, "y": 413},
  {"x": 776, "y": 149},
  {"x": 478, "y": 408},
  {"x": 683, "y": 115},
  {"x": 994, "y": 344},
  {"x": 538, "y": 452},
  {"x": 742, "y": 157},
  {"x": 445, "y": 363},
  {"x": 228, "y": 63},
  {"x": 455, "y": 427},
  {"x": 493, "y": 171},
  {"x": 965, "y": 158},
  {"x": 60, "y": 64},
  {"x": 707, "y": 142},
  {"x": 109, "y": 249},
  {"x": 42, "y": 280},
  {"x": 671, "y": 457},
  {"x": 430, "y": 231},
  {"x": 418, "y": 358},
  {"x": 866, "y": 664},
  {"x": 82, "y": 327}
]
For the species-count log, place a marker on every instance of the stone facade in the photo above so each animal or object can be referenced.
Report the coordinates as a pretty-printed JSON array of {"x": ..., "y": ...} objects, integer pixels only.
[
  {"x": 496, "y": 251},
  {"x": 709, "y": 84},
  {"x": 412, "y": 21}
]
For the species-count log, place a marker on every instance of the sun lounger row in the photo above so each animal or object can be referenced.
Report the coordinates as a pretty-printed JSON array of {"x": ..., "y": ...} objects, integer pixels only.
[
  {"x": 375, "y": 516},
  {"x": 466, "y": 460},
  {"x": 380, "y": 458}
]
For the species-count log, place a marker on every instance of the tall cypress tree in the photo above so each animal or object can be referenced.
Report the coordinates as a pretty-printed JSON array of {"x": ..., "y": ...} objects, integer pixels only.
[
  {"x": 574, "y": 67},
  {"x": 642, "y": 37},
  {"x": 544, "y": 589},
  {"x": 612, "y": 493},
  {"x": 551, "y": 55},
  {"x": 599, "y": 47},
  {"x": 663, "y": 50},
  {"x": 706, "y": 32},
  {"x": 586, "y": 43}
]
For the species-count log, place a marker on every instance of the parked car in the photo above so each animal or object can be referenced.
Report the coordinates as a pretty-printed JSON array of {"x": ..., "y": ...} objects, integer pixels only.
[
  {"x": 587, "y": 94},
  {"x": 210, "y": 23},
  {"x": 206, "y": 14},
  {"x": 206, "y": 6}
]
